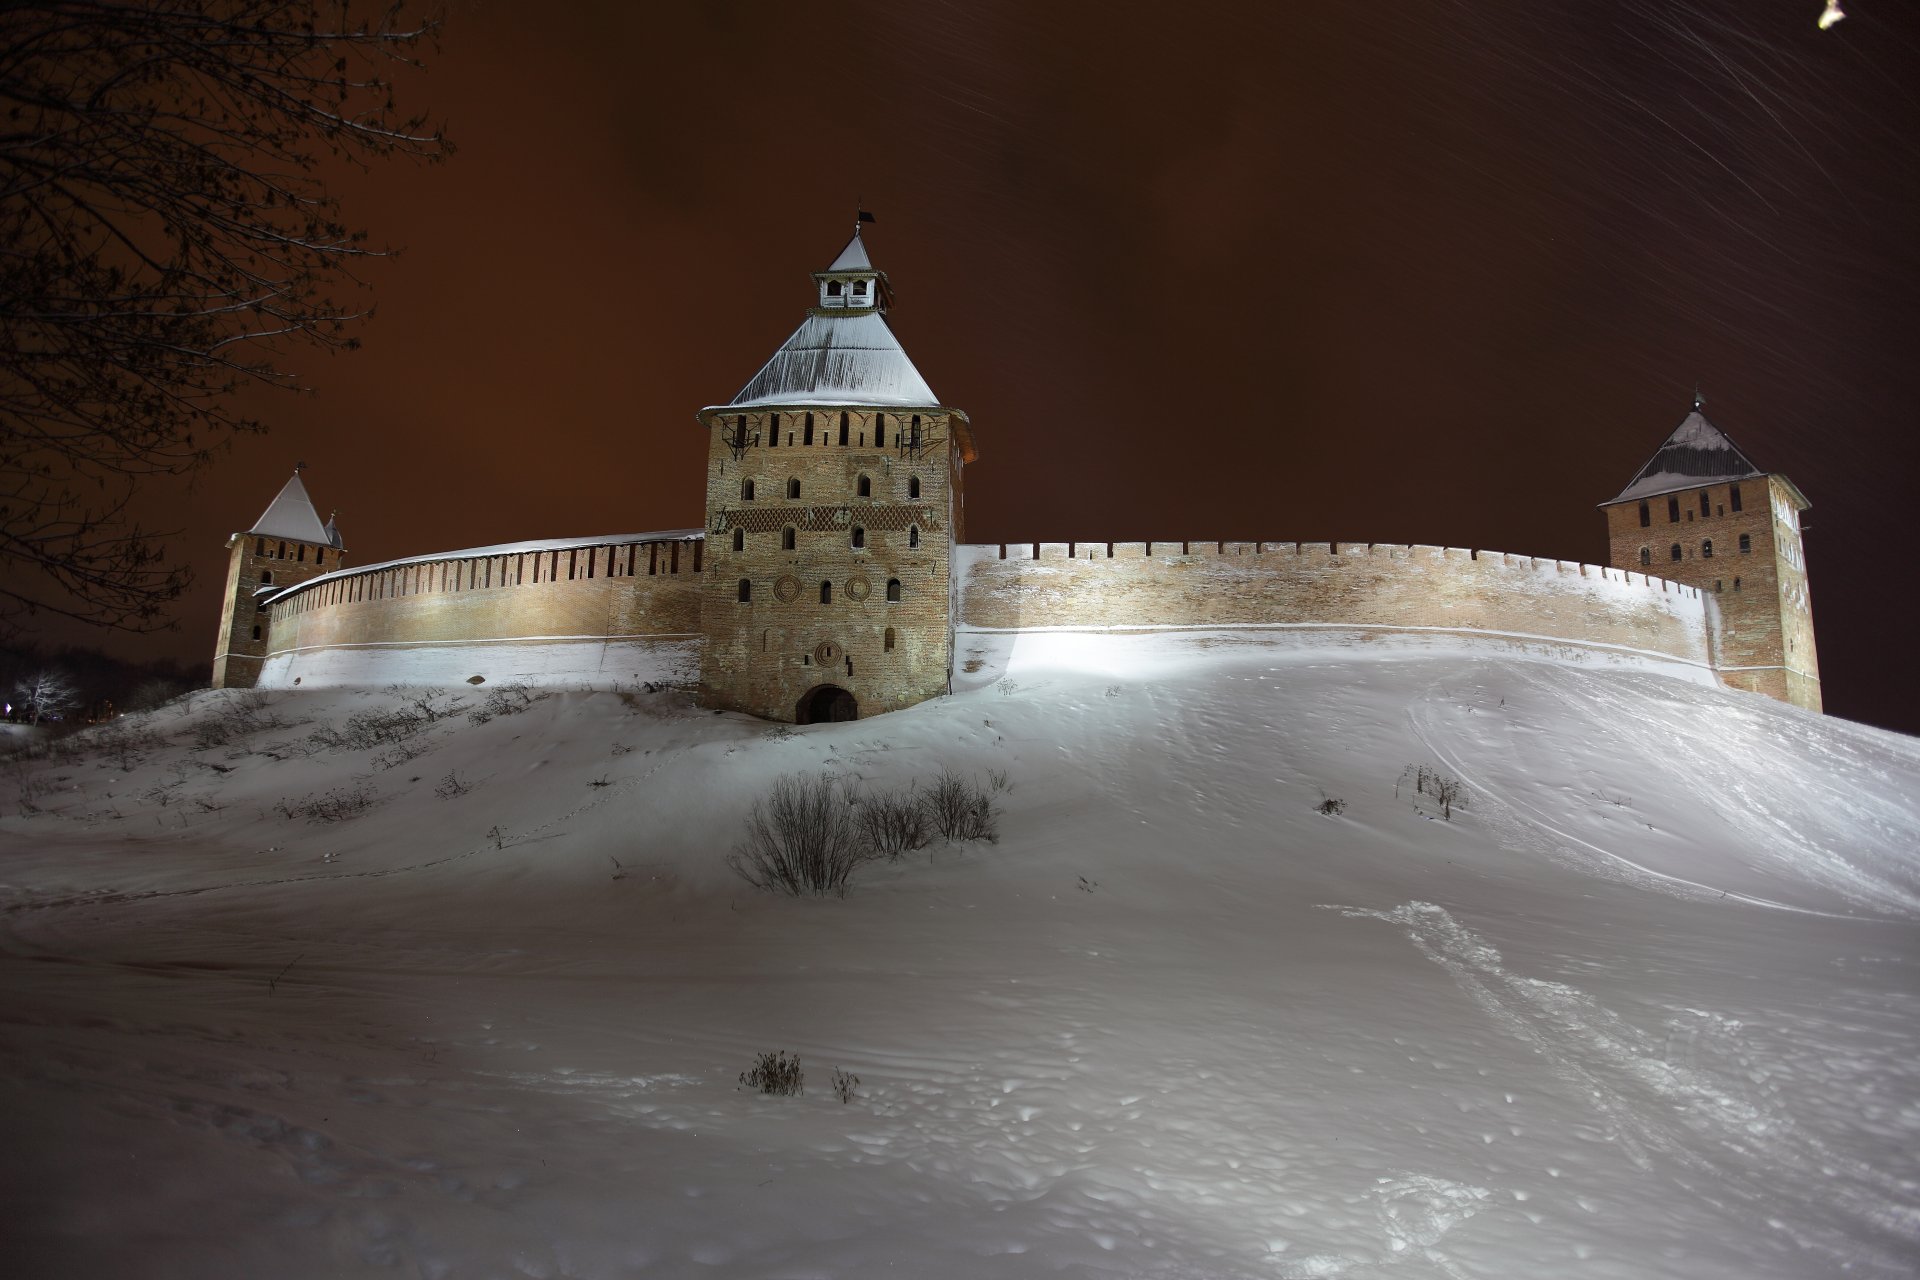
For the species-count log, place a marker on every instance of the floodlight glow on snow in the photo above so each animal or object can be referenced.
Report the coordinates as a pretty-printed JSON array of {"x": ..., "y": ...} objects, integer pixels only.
[{"x": 1831, "y": 14}]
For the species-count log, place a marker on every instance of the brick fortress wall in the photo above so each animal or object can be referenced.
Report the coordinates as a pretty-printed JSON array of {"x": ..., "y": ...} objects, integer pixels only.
[
  {"x": 1097, "y": 585},
  {"x": 556, "y": 613},
  {"x": 520, "y": 615}
]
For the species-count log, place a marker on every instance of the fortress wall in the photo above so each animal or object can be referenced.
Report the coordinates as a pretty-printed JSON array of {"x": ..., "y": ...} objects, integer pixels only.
[
  {"x": 553, "y": 614},
  {"x": 1196, "y": 584}
]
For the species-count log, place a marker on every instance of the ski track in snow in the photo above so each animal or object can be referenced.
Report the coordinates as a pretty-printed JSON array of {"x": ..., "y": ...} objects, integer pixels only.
[{"x": 1709, "y": 1125}]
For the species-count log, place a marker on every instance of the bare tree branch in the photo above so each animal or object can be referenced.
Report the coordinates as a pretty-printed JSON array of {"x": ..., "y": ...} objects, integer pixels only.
[{"x": 164, "y": 235}]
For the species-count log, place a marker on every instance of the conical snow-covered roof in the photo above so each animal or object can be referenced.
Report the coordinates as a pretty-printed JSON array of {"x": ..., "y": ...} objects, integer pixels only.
[
  {"x": 839, "y": 359},
  {"x": 291, "y": 516},
  {"x": 1696, "y": 453},
  {"x": 853, "y": 257},
  {"x": 844, "y": 352}
]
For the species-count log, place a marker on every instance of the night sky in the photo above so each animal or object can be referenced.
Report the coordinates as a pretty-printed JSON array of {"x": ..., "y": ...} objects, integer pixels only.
[{"x": 1413, "y": 271}]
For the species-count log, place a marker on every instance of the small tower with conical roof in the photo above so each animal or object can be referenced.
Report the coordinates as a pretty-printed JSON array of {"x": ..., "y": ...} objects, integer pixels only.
[
  {"x": 287, "y": 545},
  {"x": 1701, "y": 513},
  {"x": 834, "y": 502}
]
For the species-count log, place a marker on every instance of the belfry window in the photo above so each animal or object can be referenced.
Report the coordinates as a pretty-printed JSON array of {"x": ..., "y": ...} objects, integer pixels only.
[
  {"x": 786, "y": 538},
  {"x": 860, "y": 291},
  {"x": 833, "y": 288},
  {"x": 746, "y": 591},
  {"x": 793, "y": 488},
  {"x": 859, "y": 538},
  {"x": 826, "y": 593},
  {"x": 864, "y": 487},
  {"x": 1673, "y": 511},
  {"x": 260, "y": 547},
  {"x": 879, "y": 430},
  {"x": 913, "y": 486},
  {"x": 807, "y": 437},
  {"x": 843, "y": 428},
  {"x": 1706, "y": 507},
  {"x": 773, "y": 431},
  {"x": 1706, "y": 549},
  {"x": 1733, "y": 496},
  {"x": 746, "y": 491},
  {"x": 739, "y": 539},
  {"x": 1646, "y": 555},
  {"x": 1674, "y": 554},
  {"x": 1746, "y": 544},
  {"x": 1646, "y": 515},
  {"x": 893, "y": 591},
  {"x": 913, "y": 438}
]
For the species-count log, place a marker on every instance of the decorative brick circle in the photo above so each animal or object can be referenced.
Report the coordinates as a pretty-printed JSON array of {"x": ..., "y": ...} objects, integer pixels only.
[
  {"x": 826, "y": 653},
  {"x": 786, "y": 588},
  {"x": 858, "y": 587}
]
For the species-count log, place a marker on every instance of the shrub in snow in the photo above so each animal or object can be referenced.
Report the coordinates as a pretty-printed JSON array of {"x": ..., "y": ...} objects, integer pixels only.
[
  {"x": 336, "y": 805},
  {"x": 803, "y": 837},
  {"x": 1330, "y": 805},
  {"x": 505, "y": 700},
  {"x": 959, "y": 809},
  {"x": 777, "y": 1074},
  {"x": 893, "y": 823},
  {"x": 452, "y": 787},
  {"x": 241, "y": 713},
  {"x": 844, "y": 1085},
  {"x": 1445, "y": 790}
]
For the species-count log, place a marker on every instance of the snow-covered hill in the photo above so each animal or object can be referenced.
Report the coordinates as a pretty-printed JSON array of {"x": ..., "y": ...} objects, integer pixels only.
[{"x": 1645, "y": 1007}]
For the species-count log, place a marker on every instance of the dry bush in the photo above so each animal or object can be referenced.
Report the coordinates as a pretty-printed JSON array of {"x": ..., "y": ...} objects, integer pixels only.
[
  {"x": 1447, "y": 791},
  {"x": 803, "y": 837},
  {"x": 240, "y": 713},
  {"x": 337, "y": 805},
  {"x": 894, "y": 822},
  {"x": 776, "y": 1074},
  {"x": 505, "y": 700},
  {"x": 452, "y": 787},
  {"x": 959, "y": 809},
  {"x": 845, "y": 1083}
]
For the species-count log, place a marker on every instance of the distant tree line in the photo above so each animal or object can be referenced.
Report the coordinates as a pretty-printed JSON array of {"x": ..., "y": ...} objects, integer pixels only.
[{"x": 84, "y": 684}]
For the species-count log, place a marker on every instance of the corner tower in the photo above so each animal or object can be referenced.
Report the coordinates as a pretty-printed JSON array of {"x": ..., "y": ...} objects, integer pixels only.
[
  {"x": 833, "y": 506},
  {"x": 1700, "y": 513},
  {"x": 287, "y": 545}
]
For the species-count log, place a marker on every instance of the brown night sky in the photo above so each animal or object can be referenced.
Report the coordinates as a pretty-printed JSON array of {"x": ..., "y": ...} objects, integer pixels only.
[{"x": 1419, "y": 271}]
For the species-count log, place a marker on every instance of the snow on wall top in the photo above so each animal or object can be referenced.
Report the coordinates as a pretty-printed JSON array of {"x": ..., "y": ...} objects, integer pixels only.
[
  {"x": 503, "y": 549},
  {"x": 291, "y": 515},
  {"x": 832, "y": 359},
  {"x": 1695, "y": 453}
]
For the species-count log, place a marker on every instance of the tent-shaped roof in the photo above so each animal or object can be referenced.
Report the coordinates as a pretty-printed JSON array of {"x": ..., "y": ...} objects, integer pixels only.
[
  {"x": 291, "y": 516},
  {"x": 835, "y": 359},
  {"x": 1696, "y": 453},
  {"x": 853, "y": 257}
]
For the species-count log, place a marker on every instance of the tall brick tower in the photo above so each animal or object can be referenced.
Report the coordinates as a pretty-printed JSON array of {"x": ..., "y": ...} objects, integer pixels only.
[
  {"x": 833, "y": 507},
  {"x": 1700, "y": 513},
  {"x": 285, "y": 546}
]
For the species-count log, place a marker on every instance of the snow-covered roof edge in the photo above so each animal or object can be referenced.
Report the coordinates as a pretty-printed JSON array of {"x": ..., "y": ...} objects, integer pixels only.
[
  {"x": 1696, "y": 453},
  {"x": 503, "y": 549}
]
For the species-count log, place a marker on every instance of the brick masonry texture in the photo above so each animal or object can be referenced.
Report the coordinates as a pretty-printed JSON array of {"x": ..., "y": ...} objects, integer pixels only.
[
  {"x": 245, "y": 624},
  {"x": 861, "y": 599},
  {"x": 1763, "y": 638},
  {"x": 1199, "y": 584},
  {"x": 644, "y": 595}
]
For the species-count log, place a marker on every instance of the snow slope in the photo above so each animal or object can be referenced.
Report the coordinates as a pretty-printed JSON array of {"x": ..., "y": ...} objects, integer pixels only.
[{"x": 1644, "y": 1008}]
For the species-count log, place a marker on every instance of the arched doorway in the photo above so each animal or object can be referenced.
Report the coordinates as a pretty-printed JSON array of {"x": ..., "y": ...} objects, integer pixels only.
[{"x": 825, "y": 703}]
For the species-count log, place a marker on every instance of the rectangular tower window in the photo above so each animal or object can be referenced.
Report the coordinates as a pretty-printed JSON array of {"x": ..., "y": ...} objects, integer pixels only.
[
  {"x": 1646, "y": 515},
  {"x": 1733, "y": 496},
  {"x": 1706, "y": 508},
  {"x": 1673, "y": 511},
  {"x": 773, "y": 431}
]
